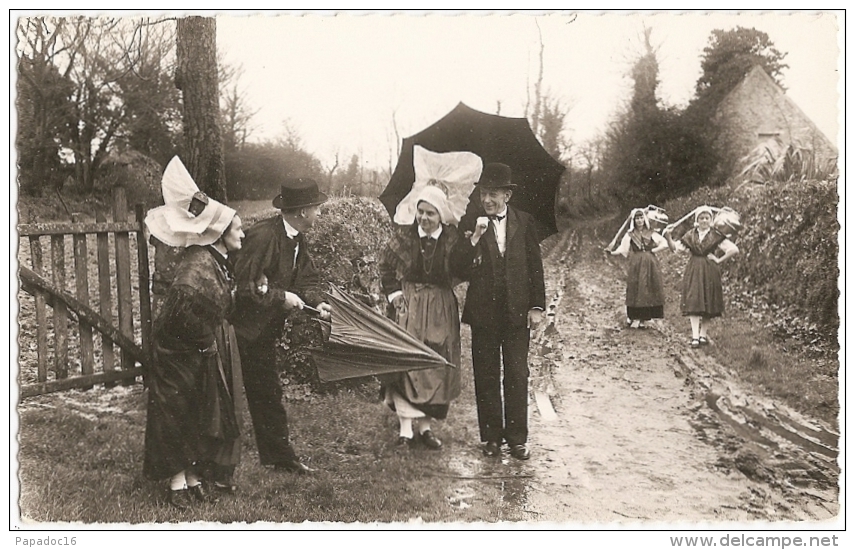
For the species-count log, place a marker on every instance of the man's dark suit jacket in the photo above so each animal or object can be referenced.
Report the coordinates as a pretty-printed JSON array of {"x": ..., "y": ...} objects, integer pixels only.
[
  {"x": 523, "y": 272},
  {"x": 267, "y": 250}
]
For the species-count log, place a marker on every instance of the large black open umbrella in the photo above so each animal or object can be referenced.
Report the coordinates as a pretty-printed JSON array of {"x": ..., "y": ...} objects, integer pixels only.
[
  {"x": 363, "y": 343},
  {"x": 494, "y": 138}
]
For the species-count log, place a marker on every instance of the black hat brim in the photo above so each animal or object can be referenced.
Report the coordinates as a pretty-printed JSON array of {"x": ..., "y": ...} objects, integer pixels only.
[
  {"x": 495, "y": 186},
  {"x": 320, "y": 199}
]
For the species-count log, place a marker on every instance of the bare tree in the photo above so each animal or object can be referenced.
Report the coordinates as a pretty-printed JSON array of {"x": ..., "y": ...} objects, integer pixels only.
[
  {"x": 42, "y": 104},
  {"x": 235, "y": 113},
  {"x": 396, "y": 137},
  {"x": 290, "y": 138},
  {"x": 538, "y": 85},
  {"x": 196, "y": 76},
  {"x": 332, "y": 170}
]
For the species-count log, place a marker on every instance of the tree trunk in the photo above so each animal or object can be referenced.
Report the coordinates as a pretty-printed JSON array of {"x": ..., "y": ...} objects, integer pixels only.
[{"x": 196, "y": 77}]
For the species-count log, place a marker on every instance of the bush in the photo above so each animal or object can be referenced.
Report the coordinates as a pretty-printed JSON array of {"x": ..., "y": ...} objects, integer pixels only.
[
  {"x": 139, "y": 174},
  {"x": 345, "y": 244},
  {"x": 788, "y": 261}
]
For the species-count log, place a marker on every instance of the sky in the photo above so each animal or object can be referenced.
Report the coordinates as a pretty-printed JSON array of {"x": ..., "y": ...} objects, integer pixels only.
[{"x": 340, "y": 78}]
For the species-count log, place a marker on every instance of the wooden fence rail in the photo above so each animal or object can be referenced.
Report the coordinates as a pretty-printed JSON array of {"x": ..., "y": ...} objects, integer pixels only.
[{"x": 114, "y": 286}]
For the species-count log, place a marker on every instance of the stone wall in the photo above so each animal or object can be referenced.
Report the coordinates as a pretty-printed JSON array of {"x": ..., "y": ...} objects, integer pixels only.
[{"x": 758, "y": 110}]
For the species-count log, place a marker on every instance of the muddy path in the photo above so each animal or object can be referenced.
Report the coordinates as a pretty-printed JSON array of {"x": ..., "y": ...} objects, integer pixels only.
[{"x": 633, "y": 426}]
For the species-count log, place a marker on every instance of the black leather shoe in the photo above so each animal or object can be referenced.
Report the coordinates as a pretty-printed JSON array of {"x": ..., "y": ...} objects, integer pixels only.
[
  {"x": 294, "y": 466},
  {"x": 225, "y": 486},
  {"x": 404, "y": 441},
  {"x": 520, "y": 452},
  {"x": 200, "y": 493},
  {"x": 492, "y": 449},
  {"x": 430, "y": 440},
  {"x": 179, "y": 498}
]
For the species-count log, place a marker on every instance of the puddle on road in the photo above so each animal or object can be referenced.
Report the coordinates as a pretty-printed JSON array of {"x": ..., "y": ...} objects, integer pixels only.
[
  {"x": 511, "y": 479},
  {"x": 770, "y": 448}
]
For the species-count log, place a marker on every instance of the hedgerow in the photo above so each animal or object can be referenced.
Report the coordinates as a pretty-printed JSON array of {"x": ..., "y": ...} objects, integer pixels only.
[
  {"x": 345, "y": 244},
  {"x": 788, "y": 261}
]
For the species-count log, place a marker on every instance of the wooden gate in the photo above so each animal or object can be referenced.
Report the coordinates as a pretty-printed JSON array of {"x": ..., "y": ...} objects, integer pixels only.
[{"x": 119, "y": 311}]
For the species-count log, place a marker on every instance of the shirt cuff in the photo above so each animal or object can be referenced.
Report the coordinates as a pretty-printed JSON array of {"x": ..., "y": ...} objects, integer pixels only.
[{"x": 394, "y": 295}]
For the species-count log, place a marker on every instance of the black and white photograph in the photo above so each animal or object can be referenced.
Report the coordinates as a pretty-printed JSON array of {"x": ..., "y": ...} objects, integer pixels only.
[{"x": 507, "y": 270}]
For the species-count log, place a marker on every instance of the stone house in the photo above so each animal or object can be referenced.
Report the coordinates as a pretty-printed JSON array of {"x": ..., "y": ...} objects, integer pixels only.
[{"x": 758, "y": 110}]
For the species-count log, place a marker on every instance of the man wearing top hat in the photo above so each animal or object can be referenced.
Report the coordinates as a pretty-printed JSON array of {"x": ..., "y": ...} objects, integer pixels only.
[
  {"x": 275, "y": 276},
  {"x": 505, "y": 298}
]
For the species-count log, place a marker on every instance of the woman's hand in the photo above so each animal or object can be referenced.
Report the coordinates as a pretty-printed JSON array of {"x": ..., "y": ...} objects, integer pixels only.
[
  {"x": 400, "y": 304},
  {"x": 259, "y": 288},
  {"x": 714, "y": 258},
  {"x": 210, "y": 350}
]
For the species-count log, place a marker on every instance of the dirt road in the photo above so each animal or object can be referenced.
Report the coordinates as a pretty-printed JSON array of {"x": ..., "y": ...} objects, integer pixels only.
[{"x": 633, "y": 426}]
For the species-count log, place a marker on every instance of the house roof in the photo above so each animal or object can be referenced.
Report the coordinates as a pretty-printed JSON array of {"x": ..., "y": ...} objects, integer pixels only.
[{"x": 756, "y": 73}]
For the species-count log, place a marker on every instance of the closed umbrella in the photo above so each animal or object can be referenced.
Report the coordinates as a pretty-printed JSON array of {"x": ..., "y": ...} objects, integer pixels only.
[{"x": 363, "y": 343}]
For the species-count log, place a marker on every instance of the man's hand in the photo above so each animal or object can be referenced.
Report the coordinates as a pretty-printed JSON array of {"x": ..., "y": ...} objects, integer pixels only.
[
  {"x": 535, "y": 317},
  {"x": 481, "y": 225},
  {"x": 326, "y": 311},
  {"x": 292, "y": 301}
]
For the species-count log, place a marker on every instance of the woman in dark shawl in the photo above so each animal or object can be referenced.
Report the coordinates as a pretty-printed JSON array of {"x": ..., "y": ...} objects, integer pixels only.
[{"x": 192, "y": 427}]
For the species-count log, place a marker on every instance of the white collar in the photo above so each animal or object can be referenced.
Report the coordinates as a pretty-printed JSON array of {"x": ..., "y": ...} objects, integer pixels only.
[
  {"x": 435, "y": 234},
  {"x": 504, "y": 213},
  {"x": 220, "y": 252},
  {"x": 289, "y": 229}
]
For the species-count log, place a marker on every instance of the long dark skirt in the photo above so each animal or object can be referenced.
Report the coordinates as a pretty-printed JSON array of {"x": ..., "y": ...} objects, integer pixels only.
[
  {"x": 702, "y": 292},
  {"x": 644, "y": 294},
  {"x": 191, "y": 414},
  {"x": 432, "y": 316}
]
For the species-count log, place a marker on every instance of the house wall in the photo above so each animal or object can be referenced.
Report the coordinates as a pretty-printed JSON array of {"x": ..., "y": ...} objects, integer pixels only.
[{"x": 757, "y": 109}]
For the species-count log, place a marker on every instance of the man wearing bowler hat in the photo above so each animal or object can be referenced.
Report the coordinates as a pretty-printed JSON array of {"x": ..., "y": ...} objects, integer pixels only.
[
  {"x": 505, "y": 298},
  {"x": 275, "y": 277}
]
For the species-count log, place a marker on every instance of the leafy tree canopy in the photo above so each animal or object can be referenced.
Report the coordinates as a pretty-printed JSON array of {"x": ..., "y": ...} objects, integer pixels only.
[{"x": 729, "y": 56}]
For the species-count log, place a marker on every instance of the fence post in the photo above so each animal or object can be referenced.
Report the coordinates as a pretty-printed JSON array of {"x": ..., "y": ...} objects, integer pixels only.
[
  {"x": 105, "y": 301},
  {"x": 145, "y": 286},
  {"x": 41, "y": 310},
  {"x": 81, "y": 276},
  {"x": 60, "y": 312},
  {"x": 123, "y": 275}
]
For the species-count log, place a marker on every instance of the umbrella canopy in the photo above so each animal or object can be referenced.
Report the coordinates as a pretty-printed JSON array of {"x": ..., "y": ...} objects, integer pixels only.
[
  {"x": 494, "y": 138},
  {"x": 364, "y": 343}
]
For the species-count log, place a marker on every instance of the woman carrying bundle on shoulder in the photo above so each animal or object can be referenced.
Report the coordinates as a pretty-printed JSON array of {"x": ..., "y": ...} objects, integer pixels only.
[
  {"x": 702, "y": 296},
  {"x": 644, "y": 295}
]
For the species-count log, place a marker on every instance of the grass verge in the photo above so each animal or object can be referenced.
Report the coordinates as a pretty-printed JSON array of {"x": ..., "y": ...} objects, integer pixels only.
[
  {"x": 81, "y": 454},
  {"x": 745, "y": 342}
]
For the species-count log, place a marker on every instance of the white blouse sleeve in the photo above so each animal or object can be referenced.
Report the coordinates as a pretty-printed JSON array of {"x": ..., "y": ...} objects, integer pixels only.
[
  {"x": 679, "y": 246},
  {"x": 727, "y": 245},
  {"x": 623, "y": 248}
]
